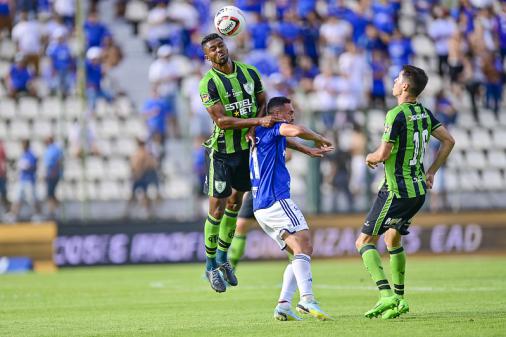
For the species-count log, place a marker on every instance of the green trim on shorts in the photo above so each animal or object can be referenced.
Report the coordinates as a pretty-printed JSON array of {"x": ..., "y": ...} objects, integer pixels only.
[
  {"x": 211, "y": 174},
  {"x": 383, "y": 213}
]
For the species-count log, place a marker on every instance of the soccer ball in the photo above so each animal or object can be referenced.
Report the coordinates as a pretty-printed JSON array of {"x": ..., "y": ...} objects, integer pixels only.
[{"x": 229, "y": 21}]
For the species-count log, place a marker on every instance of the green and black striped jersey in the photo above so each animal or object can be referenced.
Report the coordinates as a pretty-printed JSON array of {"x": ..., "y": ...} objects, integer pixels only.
[
  {"x": 408, "y": 126},
  {"x": 237, "y": 92}
]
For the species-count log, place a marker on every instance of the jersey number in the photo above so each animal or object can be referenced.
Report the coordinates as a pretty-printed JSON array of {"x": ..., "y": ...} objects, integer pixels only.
[{"x": 416, "y": 140}]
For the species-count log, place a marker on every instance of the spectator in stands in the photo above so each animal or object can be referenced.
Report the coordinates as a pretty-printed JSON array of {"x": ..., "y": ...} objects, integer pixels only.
[
  {"x": 53, "y": 163},
  {"x": 457, "y": 49},
  {"x": 94, "y": 75},
  {"x": 259, "y": 30},
  {"x": 165, "y": 75},
  {"x": 27, "y": 166},
  {"x": 379, "y": 71},
  {"x": 157, "y": 112},
  {"x": 66, "y": 9},
  {"x": 112, "y": 55},
  {"x": 353, "y": 66},
  {"x": 441, "y": 30},
  {"x": 143, "y": 167},
  {"x": 400, "y": 52},
  {"x": 159, "y": 31},
  {"x": 6, "y": 14},
  {"x": 325, "y": 86},
  {"x": 94, "y": 30},
  {"x": 4, "y": 200},
  {"x": 82, "y": 138},
  {"x": 494, "y": 79},
  {"x": 19, "y": 79},
  {"x": 27, "y": 33},
  {"x": 310, "y": 34},
  {"x": 445, "y": 112},
  {"x": 333, "y": 35},
  {"x": 62, "y": 64},
  {"x": 290, "y": 33},
  {"x": 473, "y": 78},
  {"x": 339, "y": 177}
]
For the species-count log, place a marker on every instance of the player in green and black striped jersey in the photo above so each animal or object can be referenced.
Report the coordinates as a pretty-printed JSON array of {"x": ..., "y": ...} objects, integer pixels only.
[
  {"x": 408, "y": 128},
  {"x": 234, "y": 97}
]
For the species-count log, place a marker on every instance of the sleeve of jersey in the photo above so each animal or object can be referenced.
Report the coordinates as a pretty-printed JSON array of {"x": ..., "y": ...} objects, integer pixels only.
[
  {"x": 208, "y": 92},
  {"x": 275, "y": 130},
  {"x": 393, "y": 127},
  {"x": 433, "y": 121},
  {"x": 257, "y": 79}
]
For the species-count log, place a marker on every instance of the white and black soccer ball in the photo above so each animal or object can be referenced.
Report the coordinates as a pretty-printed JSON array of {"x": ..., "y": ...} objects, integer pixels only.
[{"x": 229, "y": 21}]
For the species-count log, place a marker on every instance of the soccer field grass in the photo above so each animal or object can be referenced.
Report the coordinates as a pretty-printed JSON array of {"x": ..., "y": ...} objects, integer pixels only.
[{"x": 448, "y": 296}]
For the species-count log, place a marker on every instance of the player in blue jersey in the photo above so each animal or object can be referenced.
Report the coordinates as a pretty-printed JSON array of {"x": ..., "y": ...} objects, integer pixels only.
[{"x": 277, "y": 214}]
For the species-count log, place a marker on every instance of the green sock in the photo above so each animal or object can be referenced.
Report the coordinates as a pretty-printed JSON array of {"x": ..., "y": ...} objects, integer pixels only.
[
  {"x": 237, "y": 249},
  {"x": 398, "y": 267},
  {"x": 227, "y": 231},
  {"x": 372, "y": 262},
  {"x": 211, "y": 230}
]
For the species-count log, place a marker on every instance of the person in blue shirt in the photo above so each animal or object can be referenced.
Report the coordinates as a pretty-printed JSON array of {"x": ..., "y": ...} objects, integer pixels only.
[
  {"x": 94, "y": 30},
  {"x": 27, "y": 165},
  {"x": 277, "y": 214},
  {"x": 62, "y": 64},
  {"x": 19, "y": 78},
  {"x": 94, "y": 74},
  {"x": 53, "y": 164}
]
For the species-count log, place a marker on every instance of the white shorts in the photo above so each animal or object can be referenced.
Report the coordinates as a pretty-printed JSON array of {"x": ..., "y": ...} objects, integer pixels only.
[{"x": 282, "y": 216}]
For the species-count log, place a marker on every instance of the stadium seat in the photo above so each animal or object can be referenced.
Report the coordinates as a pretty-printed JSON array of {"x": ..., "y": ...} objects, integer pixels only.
[
  {"x": 476, "y": 159},
  {"x": 8, "y": 108},
  {"x": 497, "y": 159},
  {"x": 461, "y": 139},
  {"x": 51, "y": 108},
  {"x": 407, "y": 25},
  {"x": 123, "y": 107},
  {"x": 105, "y": 147},
  {"x": 492, "y": 179},
  {"x": 375, "y": 120},
  {"x": 109, "y": 190},
  {"x": 470, "y": 181},
  {"x": 7, "y": 49},
  {"x": 423, "y": 46},
  {"x": 73, "y": 170},
  {"x": 118, "y": 168},
  {"x": 42, "y": 128},
  {"x": 94, "y": 168},
  {"x": 13, "y": 149},
  {"x": 434, "y": 85},
  {"x": 4, "y": 69},
  {"x": 135, "y": 128},
  {"x": 103, "y": 109},
  {"x": 73, "y": 107},
  {"x": 487, "y": 119},
  {"x": 466, "y": 120},
  {"x": 109, "y": 128},
  {"x": 3, "y": 129},
  {"x": 19, "y": 129},
  {"x": 451, "y": 180},
  {"x": 480, "y": 139},
  {"x": 499, "y": 138},
  {"x": 125, "y": 146},
  {"x": 456, "y": 159},
  {"x": 28, "y": 107}
]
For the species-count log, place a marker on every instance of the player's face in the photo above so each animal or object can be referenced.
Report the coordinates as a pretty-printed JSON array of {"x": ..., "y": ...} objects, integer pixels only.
[
  {"x": 287, "y": 112},
  {"x": 398, "y": 83},
  {"x": 216, "y": 51}
]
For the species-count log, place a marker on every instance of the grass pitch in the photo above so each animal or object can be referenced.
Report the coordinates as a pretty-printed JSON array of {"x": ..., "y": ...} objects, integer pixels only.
[{"x": 448, "y": 296}]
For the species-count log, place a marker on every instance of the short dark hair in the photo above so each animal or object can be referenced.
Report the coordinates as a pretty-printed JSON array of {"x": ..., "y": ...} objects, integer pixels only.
[
  {"x": 210, "y": 37},
  {"x": 277, "y": 102},
  {"x": 416, "y": 78}
]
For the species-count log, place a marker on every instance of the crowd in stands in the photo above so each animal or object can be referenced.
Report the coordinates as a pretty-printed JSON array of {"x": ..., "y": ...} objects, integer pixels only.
[{"x": 335, "y": 58}]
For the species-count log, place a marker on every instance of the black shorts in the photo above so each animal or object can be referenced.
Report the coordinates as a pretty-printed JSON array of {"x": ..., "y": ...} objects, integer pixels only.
[
  {"x": 389, "y": 211},
  {"x": 246, "y": 211},
  {"x": 51, "y": 184},
  {"x": 226, "y": 171}
]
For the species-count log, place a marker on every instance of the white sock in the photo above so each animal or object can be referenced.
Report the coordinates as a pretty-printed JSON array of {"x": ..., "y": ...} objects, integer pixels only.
[
  {"x": 288, "y": 288},
  {"x": 301, "y": 266}
]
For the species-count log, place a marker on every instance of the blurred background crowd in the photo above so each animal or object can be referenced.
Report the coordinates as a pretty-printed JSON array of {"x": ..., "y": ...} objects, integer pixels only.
[{"x": 100, "y": 114}]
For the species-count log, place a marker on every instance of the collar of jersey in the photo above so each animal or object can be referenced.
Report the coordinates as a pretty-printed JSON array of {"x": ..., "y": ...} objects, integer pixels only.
[{"x": 232, "y": 75}]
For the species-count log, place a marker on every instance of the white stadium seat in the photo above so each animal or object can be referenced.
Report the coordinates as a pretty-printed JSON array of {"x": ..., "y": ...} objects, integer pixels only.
[
  {"x": 51, "y": 107},
  {"x": 492, "y": 179},
  {"x": 95, "y": 168},
  {"x": 480, "y": 139},
  {"x": 462, "y": 140},
  {"x": 451, "y": 180},
  {"x": 476, "y": 159},
  {"x": 497, "y": 159},
  {"x": 19, "y": 129},
  {"x": 118, "y": 169},
  {"x": 28, "y": 107},
  {"x": 499, "y": 138},
  {"x": 8, "y": 108},
  {"x": 456, "y": 159},
  {"x": 423, "y": 46},
  {"x": 470, "y": 180}
]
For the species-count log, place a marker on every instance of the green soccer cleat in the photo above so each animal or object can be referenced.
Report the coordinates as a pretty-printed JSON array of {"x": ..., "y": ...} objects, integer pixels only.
[
  {"x": 400, "y": 309},
  {"x": 216, "y": 281},
  {"x": 282, "y": 314},
  {"x": 312, "y": 308},
  {"x": 382, "y": 305}
]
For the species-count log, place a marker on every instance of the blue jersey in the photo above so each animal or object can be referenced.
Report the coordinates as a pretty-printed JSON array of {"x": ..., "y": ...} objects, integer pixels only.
[{"x": 270, "y": 179}]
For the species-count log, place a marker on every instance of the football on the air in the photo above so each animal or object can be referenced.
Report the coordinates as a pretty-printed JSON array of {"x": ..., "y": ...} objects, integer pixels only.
[{"x": 229, "y": 21}]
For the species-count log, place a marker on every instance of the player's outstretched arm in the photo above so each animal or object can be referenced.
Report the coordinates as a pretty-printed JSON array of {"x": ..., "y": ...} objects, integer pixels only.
[
  {"x": 310, "y": 151},
  {"x": 380, "y": 155},
  {"x": 217, "y": 113},
  {"x": 447, "y": 143},
  {"x": 322, "y": 144}
]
